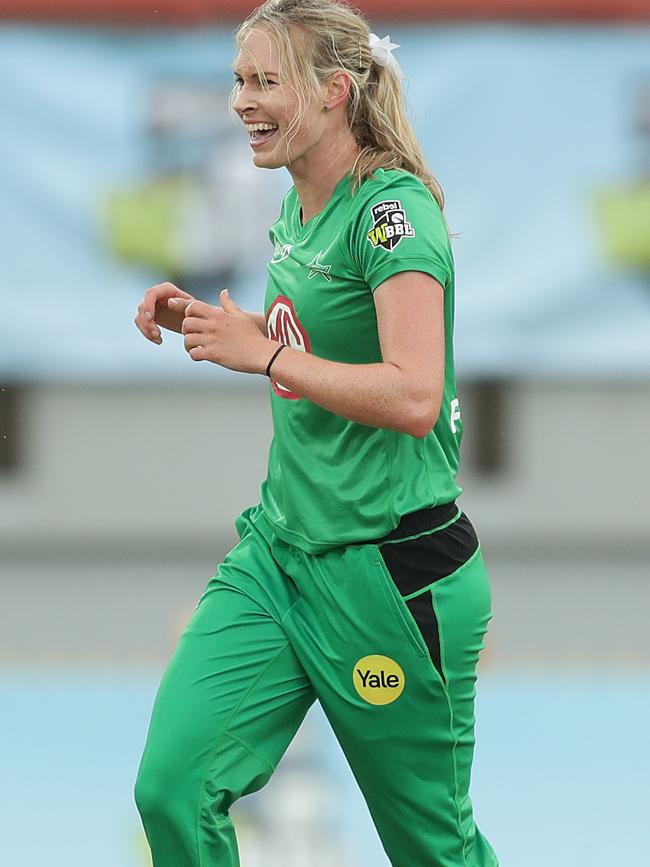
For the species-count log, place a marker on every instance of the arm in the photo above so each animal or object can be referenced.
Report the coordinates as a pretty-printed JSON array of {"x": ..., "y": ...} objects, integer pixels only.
[{"x": 404, "y": 391}]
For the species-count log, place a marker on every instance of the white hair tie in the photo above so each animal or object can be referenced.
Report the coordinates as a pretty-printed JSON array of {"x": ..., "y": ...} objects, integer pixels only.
[{"x": 382, "y": 53}]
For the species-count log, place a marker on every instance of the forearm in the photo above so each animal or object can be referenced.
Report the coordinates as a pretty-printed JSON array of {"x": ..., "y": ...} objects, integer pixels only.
[{"x": 379, "y": 395}]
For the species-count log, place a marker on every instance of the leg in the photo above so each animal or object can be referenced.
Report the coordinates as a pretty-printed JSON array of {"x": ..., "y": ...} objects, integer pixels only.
[
  {"x": 395, "y": 672},
  {"x": 228, "y": 706}
]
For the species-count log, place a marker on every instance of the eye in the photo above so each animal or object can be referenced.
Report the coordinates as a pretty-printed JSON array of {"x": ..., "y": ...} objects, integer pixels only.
[{"x": 238, "y": 81}]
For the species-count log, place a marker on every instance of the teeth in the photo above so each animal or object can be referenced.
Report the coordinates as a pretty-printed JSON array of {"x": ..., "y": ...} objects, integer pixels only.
[{"x": 259, "y": 127}]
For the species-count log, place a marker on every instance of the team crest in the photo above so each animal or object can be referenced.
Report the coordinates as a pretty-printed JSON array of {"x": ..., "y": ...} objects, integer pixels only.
[{"x": 390, "y": 225}]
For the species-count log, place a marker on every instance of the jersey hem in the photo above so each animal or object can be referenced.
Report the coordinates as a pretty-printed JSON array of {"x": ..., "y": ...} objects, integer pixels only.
[{"x": 310, "y": 546}]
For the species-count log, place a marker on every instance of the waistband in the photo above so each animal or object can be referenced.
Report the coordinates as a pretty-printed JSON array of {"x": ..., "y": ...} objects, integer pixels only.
[{"x": 420, "y": 522}]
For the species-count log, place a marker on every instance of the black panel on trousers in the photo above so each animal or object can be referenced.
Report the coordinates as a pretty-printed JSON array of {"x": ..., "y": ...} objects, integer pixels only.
[
  {"x": 424, "y": 614},
  {"x": 416, "y": 563}
]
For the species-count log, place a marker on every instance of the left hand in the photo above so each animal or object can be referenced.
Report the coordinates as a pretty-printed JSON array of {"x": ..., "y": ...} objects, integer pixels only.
[{"x": 225, "y": 335}]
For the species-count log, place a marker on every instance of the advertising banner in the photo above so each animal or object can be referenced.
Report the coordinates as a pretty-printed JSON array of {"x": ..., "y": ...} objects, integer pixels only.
[
  {"x": 122, "y": 167},
  {"x": 133, "y": 12}
]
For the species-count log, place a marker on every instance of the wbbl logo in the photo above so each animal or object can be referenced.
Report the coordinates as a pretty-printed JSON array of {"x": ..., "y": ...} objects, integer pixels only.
[{"x": 390, "y": 225}]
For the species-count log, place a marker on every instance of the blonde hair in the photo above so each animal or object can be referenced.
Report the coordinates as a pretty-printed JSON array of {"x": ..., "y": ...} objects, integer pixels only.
[{"x": 337, "y": 39}]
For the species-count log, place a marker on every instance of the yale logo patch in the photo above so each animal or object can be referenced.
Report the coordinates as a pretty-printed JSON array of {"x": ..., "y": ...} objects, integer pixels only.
[
  {"x": 378, "y": 679},
  {"x": 390, "y": 225}
]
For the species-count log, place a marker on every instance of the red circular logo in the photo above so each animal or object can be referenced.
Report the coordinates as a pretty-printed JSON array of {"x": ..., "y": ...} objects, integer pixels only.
[{"x": 283, "y": 325}]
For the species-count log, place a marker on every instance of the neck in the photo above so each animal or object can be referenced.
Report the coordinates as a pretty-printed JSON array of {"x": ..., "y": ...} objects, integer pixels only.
[{"x": 316, "y": 174}]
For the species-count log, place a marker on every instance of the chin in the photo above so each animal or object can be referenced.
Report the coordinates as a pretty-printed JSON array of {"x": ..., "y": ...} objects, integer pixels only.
[{"x": 268, "y": 161}]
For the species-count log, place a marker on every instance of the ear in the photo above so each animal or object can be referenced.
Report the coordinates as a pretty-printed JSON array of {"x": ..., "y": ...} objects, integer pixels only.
[{"x": 336, "y": 90}]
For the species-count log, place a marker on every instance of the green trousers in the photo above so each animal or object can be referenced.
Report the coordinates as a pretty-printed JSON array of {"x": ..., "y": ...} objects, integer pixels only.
[{"x": 394, "y": 671}]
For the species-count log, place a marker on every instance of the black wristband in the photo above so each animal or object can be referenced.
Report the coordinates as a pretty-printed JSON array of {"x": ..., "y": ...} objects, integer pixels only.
[{"x": 275, "y": 355}]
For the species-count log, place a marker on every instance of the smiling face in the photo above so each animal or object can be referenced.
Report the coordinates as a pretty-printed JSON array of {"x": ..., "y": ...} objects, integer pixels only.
[{"x": 284, "y": 129}]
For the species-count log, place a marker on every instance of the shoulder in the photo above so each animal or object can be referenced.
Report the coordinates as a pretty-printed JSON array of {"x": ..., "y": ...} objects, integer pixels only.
[
  {"x": 394, "y": 195},
  {"x": 397, "y": 225},
  {"x": 389, "y": 182}
]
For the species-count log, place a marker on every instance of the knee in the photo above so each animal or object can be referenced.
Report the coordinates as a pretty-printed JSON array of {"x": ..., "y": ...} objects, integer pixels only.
[
  {"x": 146, "y": 792},
  {"x": 168, "y": 785},
  {"x": 155, "y": 790},
  {"x": 165, "y": 790}
]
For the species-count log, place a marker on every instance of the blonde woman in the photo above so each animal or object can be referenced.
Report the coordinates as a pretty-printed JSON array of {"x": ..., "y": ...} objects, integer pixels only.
[{"x": 357, "y": 580}]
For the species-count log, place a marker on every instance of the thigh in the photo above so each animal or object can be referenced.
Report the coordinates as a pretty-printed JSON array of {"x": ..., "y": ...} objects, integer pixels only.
[
  {"x": 233, "y": 674},
  {"x": 394, "y": 668}
]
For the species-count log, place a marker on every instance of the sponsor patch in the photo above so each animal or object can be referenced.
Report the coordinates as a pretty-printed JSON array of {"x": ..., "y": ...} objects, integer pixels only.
[
  {"x": 283, "y": 325},
  {"x": 390, "y": 225},
  {"x": 378, "y": 679}
]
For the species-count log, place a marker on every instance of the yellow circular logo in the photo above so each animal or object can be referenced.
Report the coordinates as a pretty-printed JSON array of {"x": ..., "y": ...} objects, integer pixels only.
[{"x": 378, "y": 679}]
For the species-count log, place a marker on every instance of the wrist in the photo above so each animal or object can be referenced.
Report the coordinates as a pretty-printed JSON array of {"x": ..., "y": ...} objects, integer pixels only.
[{"x": 276, "y": 350}]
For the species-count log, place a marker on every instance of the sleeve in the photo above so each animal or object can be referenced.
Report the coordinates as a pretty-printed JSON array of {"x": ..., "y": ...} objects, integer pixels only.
[{"x": 400, "y": 227}]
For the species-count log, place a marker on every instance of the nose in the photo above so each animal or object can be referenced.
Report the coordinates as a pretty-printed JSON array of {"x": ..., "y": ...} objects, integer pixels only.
[{"x": 243, "y": 101}]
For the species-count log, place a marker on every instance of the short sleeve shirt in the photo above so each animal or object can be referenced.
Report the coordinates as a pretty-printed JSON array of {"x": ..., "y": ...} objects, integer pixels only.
[{"x": 332, "y": 481}]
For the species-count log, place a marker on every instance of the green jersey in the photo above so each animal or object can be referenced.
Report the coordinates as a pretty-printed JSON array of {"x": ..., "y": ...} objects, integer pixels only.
[{"x": 332, "y": 481}]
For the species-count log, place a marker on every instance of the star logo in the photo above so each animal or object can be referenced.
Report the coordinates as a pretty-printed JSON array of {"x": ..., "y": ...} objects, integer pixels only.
[{"x": 315, "y": 267}]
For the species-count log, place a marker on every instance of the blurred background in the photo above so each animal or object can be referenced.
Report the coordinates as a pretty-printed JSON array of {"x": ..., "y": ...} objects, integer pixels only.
[{"x": 123, "y": 465}]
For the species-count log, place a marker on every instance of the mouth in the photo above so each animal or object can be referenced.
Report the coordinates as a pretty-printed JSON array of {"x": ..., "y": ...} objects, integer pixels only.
[{"x": 260, "y": 133}]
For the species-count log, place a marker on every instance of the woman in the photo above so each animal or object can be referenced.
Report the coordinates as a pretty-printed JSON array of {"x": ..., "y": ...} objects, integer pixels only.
[{"x": 356, "y": 580}]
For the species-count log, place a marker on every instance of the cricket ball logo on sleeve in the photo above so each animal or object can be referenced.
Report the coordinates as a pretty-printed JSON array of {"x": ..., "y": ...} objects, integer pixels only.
[
  {"x": 283, "y": 325},
  {"x": 390, "y": 225}
]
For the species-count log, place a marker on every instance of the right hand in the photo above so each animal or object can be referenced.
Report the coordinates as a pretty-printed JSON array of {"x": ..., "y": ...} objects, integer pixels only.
[{"x": 154, "y": 311}]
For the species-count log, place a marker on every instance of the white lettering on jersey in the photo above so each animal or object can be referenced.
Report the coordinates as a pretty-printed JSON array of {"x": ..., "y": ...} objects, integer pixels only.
[
  {"x": 455, "y": 414},
  {"x": 281, "y": 252}
]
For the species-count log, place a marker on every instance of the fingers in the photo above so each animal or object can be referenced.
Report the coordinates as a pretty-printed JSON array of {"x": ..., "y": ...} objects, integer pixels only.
[
  {"x": 227, "y": 303},
  {"x": 180, "y": 305},
  {"x": 145, "y": 319},
  {"x": 194, "y": 346},
  {"x": 199, "y": 353},
  {"x": 200, "y": 310},
  {"x": 145, "y": 323},
  {"x": 193, "y": 325},
  {"x": 201, "y": 317},
  {"x": 200, "y": 328},
  {"x": 194, "y": 319},
  {"x": 149, "y": 330},
  {"x": 158, "y": 293}
]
